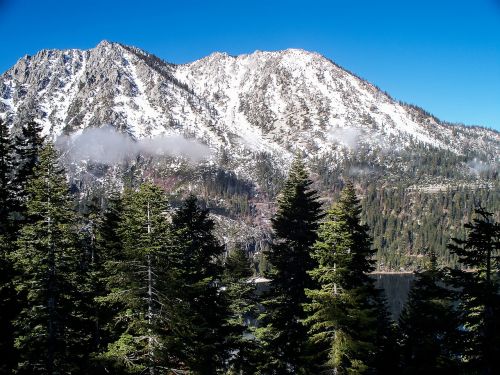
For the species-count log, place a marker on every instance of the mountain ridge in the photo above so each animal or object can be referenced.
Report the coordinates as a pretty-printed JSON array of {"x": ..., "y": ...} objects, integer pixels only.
[
  {"x": 420, "y": 177},
  {"x": 182, "y": 72}
]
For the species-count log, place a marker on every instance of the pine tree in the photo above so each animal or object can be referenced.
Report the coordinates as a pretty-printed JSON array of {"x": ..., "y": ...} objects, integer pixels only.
[
  {"x": 347, "y": 316},
  {"x": 479, "y": 295},
  {"x": 50, "y": 335},
  {"x": 202, "y": 345},
  {"x": 241, "y": 294},
  {"x": 429, "y": 325},
  {"x": 284, "y": 337},
  {"x": 142, "y": 286}
]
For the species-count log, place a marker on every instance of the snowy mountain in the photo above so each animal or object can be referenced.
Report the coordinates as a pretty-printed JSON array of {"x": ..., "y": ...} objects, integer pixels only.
[
  {"x": 277, "y": 102},
  {"x": 255, "y": 112}
]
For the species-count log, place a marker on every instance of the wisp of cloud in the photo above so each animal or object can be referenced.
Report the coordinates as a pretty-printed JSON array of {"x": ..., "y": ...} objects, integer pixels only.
[
  {"x": 347, "y": 136},
  {"x": 108, "y": 146}
]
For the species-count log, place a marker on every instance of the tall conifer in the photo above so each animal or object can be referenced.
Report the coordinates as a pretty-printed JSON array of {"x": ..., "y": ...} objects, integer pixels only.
[
  {"x": 283, "y": 335},
  {"x": 347, "y": 320},
  {"x": 202, "y": 344},
  {"x": 27, "y": 146},
  {"x": 50, "y": 334},
  {"x": 8, "y": 300},
  {"x": 479, "y": 294},
  {"x": 240, "y": 292},
  {"x": 429, "y": 325},
  {"x": 141, "y": 283}
]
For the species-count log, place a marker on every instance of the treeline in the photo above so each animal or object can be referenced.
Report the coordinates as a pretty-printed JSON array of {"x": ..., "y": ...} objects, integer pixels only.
[{"x": 129, "y": 285}]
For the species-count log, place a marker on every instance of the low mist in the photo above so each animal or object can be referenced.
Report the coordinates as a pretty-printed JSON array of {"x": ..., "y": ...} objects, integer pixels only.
[
  {"x": 108, "y": 146},
  {"x": 347, "y": 136},
  {"x": 478, "y": 166}
]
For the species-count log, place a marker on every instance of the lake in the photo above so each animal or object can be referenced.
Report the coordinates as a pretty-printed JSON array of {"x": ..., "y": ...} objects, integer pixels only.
[{"x": 396, "y": 287}]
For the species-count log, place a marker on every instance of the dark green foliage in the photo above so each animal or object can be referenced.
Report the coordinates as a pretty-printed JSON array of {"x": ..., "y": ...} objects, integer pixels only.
[
  {"x": 240, "y": 293},
  {"x": 348, "y": 318},
  {"x": 284, "y": 337},
  {"x": 479, "y": 292},
  {"x": 235, "y": 193},
  {"x": 106, "y": 276},
  {"x": 51, "y": 335},
  {"x": 129, "y": 286},
  {"x": 404, "y": 221},
  {"x": 100, "y": 245},
  {"x": 202, "y": 346},
  {"x": 141, "y": 285},
  {"x": 27, "y": 147},
  {"x": 8, "y": 307},
  {"x": 413, "y": 198},
  {"x": 6, "y": 171},
  {"x": 429, "y": 326},
  {"x": 8, "y": 300}
]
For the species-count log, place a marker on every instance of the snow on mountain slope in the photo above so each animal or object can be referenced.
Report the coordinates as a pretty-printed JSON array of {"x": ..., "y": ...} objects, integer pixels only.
[
  {"x": 273, "y": 102},
  {"x": 296, "y": 97},
  {"x": 255, "y": 112}
]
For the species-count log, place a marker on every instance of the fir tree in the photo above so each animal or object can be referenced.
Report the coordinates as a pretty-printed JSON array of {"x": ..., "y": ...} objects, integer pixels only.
[
  {"x": 141, "y": 284},
  {"x": 50, "y": 335},
  {"x": 107, "y": 273},
  {"x": 429, "y": 325},
  {"x": 283, "y": 335},
  {"x": 479, "y": 292},
  {"x": 8, "y": 300},
  {"x": 202, "y": 344},
  {"x": 241, "y": 294},
  {"x": 27, "y": 147},
  {"x": 6, "y": 171},
  {"x": 97, "y": 248},
  {"x": 347, "y": 316}
]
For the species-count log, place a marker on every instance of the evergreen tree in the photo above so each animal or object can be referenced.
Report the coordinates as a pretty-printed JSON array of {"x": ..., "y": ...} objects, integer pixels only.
[
  {"x": 6, "y": 170},
  {"x": 141, "y": 285},
  {"x": 284, "y": 337},
  {"x": 100, "y": 243},
  {"x": 8, "y": 301},
  {"x": 347, "y": 315},
  {"x": 479, "y": 292},
  {"x": 107, "y": 273},
  {"x": 50, "y": 332},
  {"x": 203, "y": 344},
  {"x": 429, "y": 325},
  {"x": 241, "y": 294},
  {"x": 27, "y": 147}
]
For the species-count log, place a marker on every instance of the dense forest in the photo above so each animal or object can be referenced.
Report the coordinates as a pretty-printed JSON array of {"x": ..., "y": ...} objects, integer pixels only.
[
  {"x": 407, "y": 209},
  {"x": 134, "y": 283}
]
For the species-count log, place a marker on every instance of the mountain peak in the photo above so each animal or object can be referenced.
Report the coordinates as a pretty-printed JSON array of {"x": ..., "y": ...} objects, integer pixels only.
[
  {"x": 266, "y": 101},
  {"x": 105, "y": 44},
  {"x": 219, "y": 55}
]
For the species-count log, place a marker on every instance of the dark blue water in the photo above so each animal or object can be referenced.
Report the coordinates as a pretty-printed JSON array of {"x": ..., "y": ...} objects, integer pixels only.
[{"x": 396, "y": 288}]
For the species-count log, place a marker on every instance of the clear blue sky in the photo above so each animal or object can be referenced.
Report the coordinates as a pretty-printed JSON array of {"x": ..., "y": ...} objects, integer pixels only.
[{"x": 442, "y": 55}]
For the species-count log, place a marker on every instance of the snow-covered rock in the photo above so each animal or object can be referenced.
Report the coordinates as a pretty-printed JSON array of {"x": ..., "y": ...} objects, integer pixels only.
[{"x": 278, "y": 103}]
